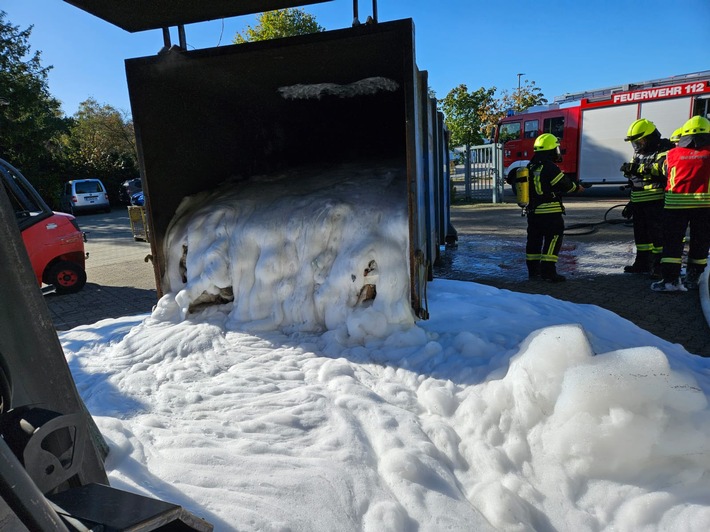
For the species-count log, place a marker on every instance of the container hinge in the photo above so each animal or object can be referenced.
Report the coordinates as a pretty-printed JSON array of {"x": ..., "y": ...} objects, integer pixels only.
[{"x": 422, "y": 271}]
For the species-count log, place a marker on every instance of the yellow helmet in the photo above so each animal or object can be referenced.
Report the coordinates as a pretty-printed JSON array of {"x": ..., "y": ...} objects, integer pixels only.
[
  {"x": 675, "y": 137},
  {"x": 545, "y": 142},
  {"x": 697, "y": 124},
  {"x": 639, "y": 129}
]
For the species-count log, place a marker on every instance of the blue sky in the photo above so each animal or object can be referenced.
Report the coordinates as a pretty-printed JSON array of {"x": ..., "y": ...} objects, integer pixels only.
[{"x": 571, "y": 46}]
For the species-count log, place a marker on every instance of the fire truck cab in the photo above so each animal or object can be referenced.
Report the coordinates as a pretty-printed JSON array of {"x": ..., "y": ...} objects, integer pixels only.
[
  {"x": 518, "y": 132},
  {"x": 592, "y": 125}
]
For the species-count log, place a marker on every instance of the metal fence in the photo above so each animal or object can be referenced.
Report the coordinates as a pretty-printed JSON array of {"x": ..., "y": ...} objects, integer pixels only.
[{"x": 484, "y": 180}]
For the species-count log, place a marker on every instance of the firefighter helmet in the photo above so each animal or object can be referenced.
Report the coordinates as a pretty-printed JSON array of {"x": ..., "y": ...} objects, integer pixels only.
[
  {"x": 697, "y": 124},
  {"x": 675, "y": 137},
  {"x": 545, "y": 142},
  {"x": 639, "y": 129}
]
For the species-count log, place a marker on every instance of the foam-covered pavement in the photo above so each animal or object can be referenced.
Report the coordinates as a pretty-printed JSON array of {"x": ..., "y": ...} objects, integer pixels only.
[{"x": 491, "y": 250}]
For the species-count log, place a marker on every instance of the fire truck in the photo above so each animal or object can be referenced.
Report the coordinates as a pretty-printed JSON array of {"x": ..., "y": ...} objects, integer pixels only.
[{"x": 592, "y": 125}]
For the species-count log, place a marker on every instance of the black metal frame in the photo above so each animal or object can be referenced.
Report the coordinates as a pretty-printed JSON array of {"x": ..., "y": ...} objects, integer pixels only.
[{"x": 141, "y": 15}]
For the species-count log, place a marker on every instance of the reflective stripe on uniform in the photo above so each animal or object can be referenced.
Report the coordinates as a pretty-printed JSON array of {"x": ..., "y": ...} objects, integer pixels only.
[
  {"x": 550, "y": 255},
  {"x": 689, "y": 200}
]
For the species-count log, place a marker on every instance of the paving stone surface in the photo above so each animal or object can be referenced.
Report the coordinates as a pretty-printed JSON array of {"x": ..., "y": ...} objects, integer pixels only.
[{"x": 490, "y": 251}]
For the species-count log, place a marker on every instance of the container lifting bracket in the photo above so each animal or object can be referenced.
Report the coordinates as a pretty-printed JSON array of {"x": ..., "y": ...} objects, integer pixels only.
[
  {"x": 167, "y": 44},
  {"x": 370, "y": 20}
]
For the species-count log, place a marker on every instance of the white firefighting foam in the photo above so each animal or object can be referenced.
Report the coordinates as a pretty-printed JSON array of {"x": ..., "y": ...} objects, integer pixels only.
[{"x": 296, "y": 251}]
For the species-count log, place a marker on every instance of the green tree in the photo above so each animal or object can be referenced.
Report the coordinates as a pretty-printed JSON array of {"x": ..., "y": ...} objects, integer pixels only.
[
  {"x": 101, "y": 143},
  {"x": 465, "y": 113},
  {"x": 527, "y": 96},
  {"x": 30, "y": 118},
  {"x": 280, "y": 23}
]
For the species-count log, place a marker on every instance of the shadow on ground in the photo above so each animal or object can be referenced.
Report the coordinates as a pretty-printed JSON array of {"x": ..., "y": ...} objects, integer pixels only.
[{"x": 95, "y": 302}]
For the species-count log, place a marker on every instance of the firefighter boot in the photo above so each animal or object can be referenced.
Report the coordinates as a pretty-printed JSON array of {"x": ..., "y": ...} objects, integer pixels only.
[
  {"x": 692, "y": 277},
  {"x": 548, "y": 272},
  {"x": 642, "y": 264},
  {"x": 533, "y": 269},
  {"x": 669, "y": 286}
]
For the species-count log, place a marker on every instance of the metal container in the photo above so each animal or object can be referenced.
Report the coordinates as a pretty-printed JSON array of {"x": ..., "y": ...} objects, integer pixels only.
[{"x": 204, "y": 116}]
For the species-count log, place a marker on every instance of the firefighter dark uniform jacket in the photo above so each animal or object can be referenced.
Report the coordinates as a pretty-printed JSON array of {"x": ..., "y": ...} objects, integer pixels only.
[
  {"x": 689, "y": 175},
  {"x": 647, "y": 177},
  {"x": 547, "y": 184}
]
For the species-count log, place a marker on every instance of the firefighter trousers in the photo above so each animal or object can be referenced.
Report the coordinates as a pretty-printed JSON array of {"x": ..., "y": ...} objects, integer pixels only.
[
  {"x": 545, "y": 233},
  {"x": 675, "y": 225},
  {"x": 648, "y": 226}
]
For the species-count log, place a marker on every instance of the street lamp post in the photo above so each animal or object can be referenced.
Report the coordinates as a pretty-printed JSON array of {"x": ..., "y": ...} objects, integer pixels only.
[{"x": 518, "y": 95}]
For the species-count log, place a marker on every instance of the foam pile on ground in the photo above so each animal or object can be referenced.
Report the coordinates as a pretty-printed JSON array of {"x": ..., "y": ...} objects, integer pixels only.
[{"x": 492, "y": 415}]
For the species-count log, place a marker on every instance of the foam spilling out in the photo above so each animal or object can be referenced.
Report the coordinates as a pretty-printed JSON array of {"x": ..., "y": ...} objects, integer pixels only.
[
  {"x": 459, "y": 423},
  {"x": 318, "y": 249}
]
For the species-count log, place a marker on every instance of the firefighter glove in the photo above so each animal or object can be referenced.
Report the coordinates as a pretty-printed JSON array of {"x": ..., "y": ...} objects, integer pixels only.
[
  {"x": 630, "y": 168},
  {"x": 628, "y": 211}
]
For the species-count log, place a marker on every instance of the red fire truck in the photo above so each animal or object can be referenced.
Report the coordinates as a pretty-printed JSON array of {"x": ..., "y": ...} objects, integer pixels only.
[{"x": 592, "y": 125}]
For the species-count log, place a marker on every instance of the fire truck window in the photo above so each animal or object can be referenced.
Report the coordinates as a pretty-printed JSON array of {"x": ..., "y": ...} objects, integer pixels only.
[
  {"x": 701, "y": 107},
  {"x": 531, "y": 129},
  {"x": 509, "y": 131},
  {"x": 556, "y": 126}
]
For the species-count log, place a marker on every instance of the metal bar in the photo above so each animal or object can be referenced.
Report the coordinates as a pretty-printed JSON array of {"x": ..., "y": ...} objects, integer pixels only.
[
  {"x": 166, "y": 38},
  {"x": 356, "y": 21},
  {"x": 23, "y": 497},
  {"x": 181, "y": 37},
  {"x": 499, "y": 171},
  {"x": 374, "y": 10}
]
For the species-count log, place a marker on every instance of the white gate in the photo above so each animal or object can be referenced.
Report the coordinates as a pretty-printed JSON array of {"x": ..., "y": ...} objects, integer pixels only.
[{"x": 484, "y": 180}]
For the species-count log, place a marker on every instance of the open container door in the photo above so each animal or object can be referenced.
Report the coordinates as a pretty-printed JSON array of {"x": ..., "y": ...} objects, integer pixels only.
[{"x": 202, "y": 117}]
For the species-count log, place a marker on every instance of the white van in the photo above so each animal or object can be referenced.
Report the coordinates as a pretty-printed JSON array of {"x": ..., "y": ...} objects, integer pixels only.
[{"x": 84, "y": 195}]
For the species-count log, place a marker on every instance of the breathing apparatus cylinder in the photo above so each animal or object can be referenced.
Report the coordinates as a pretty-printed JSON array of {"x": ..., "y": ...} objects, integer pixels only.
[{"x": 522, "y": 187}]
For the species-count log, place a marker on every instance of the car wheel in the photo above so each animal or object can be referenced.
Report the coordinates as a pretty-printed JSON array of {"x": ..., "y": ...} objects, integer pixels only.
[{"x": 67, "y": 277}]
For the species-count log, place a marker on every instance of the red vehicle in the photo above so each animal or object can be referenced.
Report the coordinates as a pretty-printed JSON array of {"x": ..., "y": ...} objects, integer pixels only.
[
  {"x": 53, "y": 240},
  {"x": 517, "y": 133},
  {"x": 592, "y": 125}
]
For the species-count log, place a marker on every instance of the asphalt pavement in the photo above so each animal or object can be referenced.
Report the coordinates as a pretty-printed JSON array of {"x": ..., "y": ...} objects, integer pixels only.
[{"x": 490, "y": 250}]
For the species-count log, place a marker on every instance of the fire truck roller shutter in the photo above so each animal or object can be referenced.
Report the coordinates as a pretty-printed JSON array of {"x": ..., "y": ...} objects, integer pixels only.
[
  {"x": 601, "y": 152},
  {"x": 667, "y": 115}
]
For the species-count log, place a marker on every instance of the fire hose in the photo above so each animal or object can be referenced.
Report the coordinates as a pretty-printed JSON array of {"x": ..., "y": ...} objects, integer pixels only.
[{"x": 591, "y": 227}]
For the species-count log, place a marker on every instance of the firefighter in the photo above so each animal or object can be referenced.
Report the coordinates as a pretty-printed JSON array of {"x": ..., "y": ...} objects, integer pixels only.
[
  {"x": 546, "y": 227},
  {"x": 647, "y": 181},
  {"x": 675, "y": 137},
  {"x": 687, "y": 203}
]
